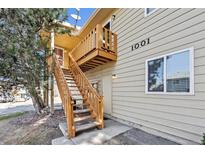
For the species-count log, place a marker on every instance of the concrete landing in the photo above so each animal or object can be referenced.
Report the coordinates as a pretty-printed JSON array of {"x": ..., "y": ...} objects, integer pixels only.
[
  {"x": 63, "y": 128},
  {"x": 93, "y": 137}
]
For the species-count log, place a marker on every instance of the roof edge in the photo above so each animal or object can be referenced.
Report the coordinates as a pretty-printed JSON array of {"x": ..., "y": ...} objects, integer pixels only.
[{"x": 89, "y": 19}]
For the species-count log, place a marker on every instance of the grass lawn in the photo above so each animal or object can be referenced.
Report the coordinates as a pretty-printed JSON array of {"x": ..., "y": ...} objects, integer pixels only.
[{"x": 13, "y": 115}]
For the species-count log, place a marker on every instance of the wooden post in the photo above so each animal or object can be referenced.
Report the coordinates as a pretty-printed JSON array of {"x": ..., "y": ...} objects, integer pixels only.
[
  {"x": 106, "y": 38},
  {"x": 99, "y": 36},
  {"x": 69, "y": 115},
  {"x": 52, "y": 94},
  {"x": 47, "y": 86},
  {"x": 45, "y": 93},
  {"x": 51, "y": 74},
  {"x": 115, "y": 44},
  {"x": 100, "y": 109},
  {"x": 110, "y": 40}
]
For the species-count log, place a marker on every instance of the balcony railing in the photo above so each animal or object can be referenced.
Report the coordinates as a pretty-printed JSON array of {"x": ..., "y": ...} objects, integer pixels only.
[{"x": 100, "y": 43}]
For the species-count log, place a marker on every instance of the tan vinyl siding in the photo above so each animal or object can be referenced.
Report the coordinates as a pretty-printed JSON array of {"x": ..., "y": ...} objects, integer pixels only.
[
  {"x": 169, "y": 30},
  {"x": 98, "y": 73}
]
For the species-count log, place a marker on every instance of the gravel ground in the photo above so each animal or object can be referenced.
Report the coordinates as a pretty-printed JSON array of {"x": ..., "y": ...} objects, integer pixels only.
[{"x": 31, "y": 129}]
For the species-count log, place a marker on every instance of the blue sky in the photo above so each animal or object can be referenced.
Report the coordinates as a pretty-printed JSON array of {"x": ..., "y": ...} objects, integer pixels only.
[{"x": 85, "y": 13}]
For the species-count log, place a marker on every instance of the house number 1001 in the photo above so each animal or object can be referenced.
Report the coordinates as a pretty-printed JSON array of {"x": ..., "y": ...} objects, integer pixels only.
[{"x": 140, "y": 44}]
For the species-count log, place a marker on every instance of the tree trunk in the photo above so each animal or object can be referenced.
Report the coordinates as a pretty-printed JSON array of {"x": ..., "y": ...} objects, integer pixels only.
[{"x": 38, "y": 103}]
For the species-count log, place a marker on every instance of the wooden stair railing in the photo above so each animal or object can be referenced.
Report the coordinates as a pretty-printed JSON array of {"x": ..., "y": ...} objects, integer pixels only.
[
  {"x": 89, "y": 94},
  {"x": 65, "y": 96}
]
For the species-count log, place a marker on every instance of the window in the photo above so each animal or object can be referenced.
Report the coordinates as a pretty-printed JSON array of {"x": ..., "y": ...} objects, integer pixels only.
[
  {"x": 149, "y": 11},
  {"x": 95, "y": 84},
  {"x": 171, "y": 74},
  {"x": 155, "y": 75},
  {"x": 178, "y": 72}
]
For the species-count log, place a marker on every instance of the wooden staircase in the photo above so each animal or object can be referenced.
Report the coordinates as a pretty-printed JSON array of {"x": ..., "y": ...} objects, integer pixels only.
[
  {"x": 83, "y": 118},
  {"x": 82, "y": 105}
]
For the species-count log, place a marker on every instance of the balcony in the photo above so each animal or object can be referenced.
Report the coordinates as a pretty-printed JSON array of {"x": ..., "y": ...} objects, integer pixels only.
[{"x": 96, "y": 48}]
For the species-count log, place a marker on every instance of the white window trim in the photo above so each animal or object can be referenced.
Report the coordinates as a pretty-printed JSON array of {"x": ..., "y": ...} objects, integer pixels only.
[
  {"x": 147, "y": 14},
  {"x": 191, "y": 68},
  {"x": 63, "y": 52}
]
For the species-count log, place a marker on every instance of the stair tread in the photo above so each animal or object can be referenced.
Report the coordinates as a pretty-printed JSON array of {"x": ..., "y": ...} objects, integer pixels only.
[
  {"x": 74, "y": 88},
  {"x": 81, "y": 111},
  {"x": 71, "y": 89},
  {"x": 75, "y": 91},
  {"x": 68, "y": 75},
  {"x": 79, "y": 119},
  {"x": 70, "y": 81},
  {"x": 76, "y": 94},
  {"x": 86, "y": 126},
  {"x": 72, "y": 85},
  {"x": 77, "y": 105},
  {"x": 76, "y": 97}
]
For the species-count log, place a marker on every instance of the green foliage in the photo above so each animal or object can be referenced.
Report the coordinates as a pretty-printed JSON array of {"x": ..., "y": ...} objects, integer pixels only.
[
  {"x": 13, "y": 115},
  {"x": 23, "y": 49},
  {"x": 203, "y": 140}
]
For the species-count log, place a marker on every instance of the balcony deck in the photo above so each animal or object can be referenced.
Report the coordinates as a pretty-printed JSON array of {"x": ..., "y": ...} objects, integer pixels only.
[{"x": 97, "y": 48}]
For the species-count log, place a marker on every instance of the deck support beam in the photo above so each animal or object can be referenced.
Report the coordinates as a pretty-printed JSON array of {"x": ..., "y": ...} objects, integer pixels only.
[{"x": 51, "y": 74}]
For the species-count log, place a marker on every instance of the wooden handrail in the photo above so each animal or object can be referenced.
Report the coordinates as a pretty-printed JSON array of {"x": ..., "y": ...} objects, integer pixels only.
[
  {"x": 98, "y": 38},
  {"x": 65, "y": 95},
  {"x": 88, "y": 92}
]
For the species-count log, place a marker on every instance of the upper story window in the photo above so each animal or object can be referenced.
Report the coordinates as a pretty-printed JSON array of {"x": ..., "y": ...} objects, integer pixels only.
[
  {"x": 149, "y": 11},
  {"x": 171, "y": 74}
]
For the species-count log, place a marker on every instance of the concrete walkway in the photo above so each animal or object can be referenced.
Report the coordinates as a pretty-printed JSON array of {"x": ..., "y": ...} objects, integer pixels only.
[
  {"x": 136, "y": 136},
  {"x": 93, "y": 137},
  {"x": 114, "y": 133},
  {"x": 8, "y": 108}
]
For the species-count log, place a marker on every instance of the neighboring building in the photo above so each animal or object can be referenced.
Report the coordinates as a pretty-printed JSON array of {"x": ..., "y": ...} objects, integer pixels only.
[{"x": 157, "y": 82}]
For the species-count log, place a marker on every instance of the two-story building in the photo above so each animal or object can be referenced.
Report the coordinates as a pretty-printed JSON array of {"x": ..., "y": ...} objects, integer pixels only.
[{"x": 149, "y": 66}]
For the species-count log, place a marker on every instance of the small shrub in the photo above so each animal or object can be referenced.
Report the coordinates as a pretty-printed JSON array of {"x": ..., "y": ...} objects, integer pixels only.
[{"x": 203, "y": 140}]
